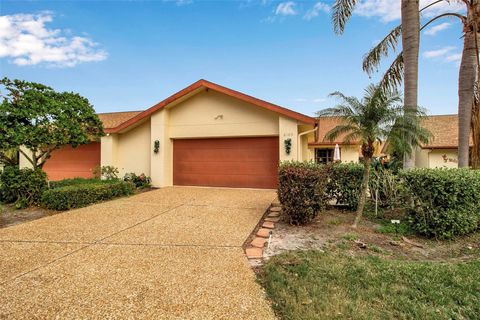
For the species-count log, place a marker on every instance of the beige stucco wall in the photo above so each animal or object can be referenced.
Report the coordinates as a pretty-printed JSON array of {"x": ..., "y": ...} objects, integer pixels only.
[
  {"x": 133, "y": 150},
  {"x": 23, "y": 161},
  {"x": 288, "y": 129},
  {"x": 212, "y": 114},
  {"x": 108, "y": 150},
  {"x": 436, "y": 160},
  {"x": 161, "y": 162},
  {"x": 421, "y": 158}
]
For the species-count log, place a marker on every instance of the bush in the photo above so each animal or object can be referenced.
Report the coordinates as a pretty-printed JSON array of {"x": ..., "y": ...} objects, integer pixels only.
[
  {"x": 81, "y": 195},
  {"x": 142, "y": 181},
  {"x": 22, "y": 186},
  {"x": 75, "y": 181},
  {"x": 106, "y": 172},
  {"x": 386, "y": 185},
  {"x": 443, "y": 203},
  {"x": 344, "y": 184},
  {"x": 301, "y": 190}
]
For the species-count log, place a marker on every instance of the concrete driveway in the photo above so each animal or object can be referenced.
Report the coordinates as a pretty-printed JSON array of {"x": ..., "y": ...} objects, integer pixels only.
[{"x": 173, "y": 253}]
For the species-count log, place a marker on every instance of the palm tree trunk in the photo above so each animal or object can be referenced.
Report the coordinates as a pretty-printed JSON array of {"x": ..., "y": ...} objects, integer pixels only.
[
  {"x": 410, "y": 43},
  {"x": 466, "y": 87},
  {"x": 363, "y": 192},
  {"x": 476, "y": 137}
]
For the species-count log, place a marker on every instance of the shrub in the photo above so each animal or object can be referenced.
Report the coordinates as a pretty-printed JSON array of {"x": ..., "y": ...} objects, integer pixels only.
[
  {"x": 142, "y": 181},
  {"x": 386, "y": 185},
  {"x": 81, "y": 195},
  {"x": 443, "y": 203},
  {"x": 106, "y": 172},
  {"x": 344, "y": 184},
  {"x": 301, "y": 190},
  {"x": 75, "y": 181},
  {"x": 22, "y": 186}
]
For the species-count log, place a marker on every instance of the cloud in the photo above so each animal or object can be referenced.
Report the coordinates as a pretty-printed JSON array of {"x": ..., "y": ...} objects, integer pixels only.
[
  {"x": 437, "y": 53},
  {"x": 454, "y": 57},
  {"x": 286, "y": 9},
  {"x": 316, "y": 9},
  {"x": 25, "y": 39},
  {"x": 390, "y": 10},
  {"x": 435, "y": 29}
]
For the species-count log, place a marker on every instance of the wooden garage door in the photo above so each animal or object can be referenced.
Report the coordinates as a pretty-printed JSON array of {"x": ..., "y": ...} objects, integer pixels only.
[
  {"x": 226, "y": 162},
  {"x": 68, "y": 162}
]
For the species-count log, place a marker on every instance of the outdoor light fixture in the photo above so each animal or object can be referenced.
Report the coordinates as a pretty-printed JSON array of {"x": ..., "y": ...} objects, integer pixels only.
[{"x": 156, "y": 146}]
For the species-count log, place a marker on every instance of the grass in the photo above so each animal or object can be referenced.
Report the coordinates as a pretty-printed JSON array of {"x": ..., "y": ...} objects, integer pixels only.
[
  {"x": 315, "y": 285},
  {"x": 77, "y": 181},
  {"x": 398, "y": 229}
]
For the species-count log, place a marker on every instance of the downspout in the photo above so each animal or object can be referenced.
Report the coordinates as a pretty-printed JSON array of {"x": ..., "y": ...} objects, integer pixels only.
[{"x": 299, "y": 140}]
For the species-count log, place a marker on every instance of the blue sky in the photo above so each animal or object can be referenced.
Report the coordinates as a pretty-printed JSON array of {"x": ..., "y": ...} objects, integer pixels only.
[{"x": 129, "y": 55}]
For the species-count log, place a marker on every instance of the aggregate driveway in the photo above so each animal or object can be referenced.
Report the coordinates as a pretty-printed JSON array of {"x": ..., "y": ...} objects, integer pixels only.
[{"x": 172, "y": 253}]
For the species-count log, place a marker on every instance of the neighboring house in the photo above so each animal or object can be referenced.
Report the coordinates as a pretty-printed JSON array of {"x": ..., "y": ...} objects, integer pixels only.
[{"x": 442, "y": 150}]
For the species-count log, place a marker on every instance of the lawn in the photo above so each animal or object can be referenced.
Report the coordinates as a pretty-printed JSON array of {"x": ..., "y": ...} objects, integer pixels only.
[{"x": 335, "y": 285}]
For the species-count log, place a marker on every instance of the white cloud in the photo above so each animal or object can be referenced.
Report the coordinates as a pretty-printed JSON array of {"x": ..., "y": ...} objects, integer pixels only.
[
  {"x": 26, "y": 40},
  {"x": 435, "y": 29},
  {"x": 390, "y": 10},
  {"x": 286, "y": 9},
  {"x": 454, "y": 57},
  {"x": 316, "y": 9},
  {"x": 319, "y": 100},
  {"x": 437, "y": 53}
]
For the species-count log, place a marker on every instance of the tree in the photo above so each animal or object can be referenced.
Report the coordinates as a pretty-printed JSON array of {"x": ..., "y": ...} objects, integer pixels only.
[
  {"x": 375, "y": 118},
  {"x": 35, "y": 120},
  {"x": 342, "y": 11},
  {"x": 9, "y": 157},
  {"x": 468, "y": 95}
]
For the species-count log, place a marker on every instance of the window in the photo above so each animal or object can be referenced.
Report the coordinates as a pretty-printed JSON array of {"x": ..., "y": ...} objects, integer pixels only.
[{"x": 324, "y": 155}]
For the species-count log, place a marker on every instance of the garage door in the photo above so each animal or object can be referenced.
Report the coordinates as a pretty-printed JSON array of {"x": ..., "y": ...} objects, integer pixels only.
[
  {"x": 68, "y": 162},
  {"x": 229, "y": 162}
]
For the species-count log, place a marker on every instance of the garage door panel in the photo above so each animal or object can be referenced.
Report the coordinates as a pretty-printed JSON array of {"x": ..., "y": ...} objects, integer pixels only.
[
  {"x": 238, "y": 167},
  {"x": 67, "y": 162},
  {"x": 226, "y": 162}
]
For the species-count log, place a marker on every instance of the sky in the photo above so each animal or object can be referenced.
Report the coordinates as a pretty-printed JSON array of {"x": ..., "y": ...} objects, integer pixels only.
[{"x": 129, "y": 55}]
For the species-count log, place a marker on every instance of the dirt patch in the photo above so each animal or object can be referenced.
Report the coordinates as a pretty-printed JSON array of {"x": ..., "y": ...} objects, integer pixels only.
[
  {"x": 9, "y": 216},
  {"x": 332, "y": 230}
]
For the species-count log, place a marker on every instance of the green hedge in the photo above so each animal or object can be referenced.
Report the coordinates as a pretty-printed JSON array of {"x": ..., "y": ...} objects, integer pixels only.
[
  {"x": 81, "y": 195},
  {"x": 76, "y": 181},
  {"x": 22, "y": 186},
  {"x": 444, "y": 203},
  {"x": 301, "y": 190},
  {"x": 344, "y": 184}
]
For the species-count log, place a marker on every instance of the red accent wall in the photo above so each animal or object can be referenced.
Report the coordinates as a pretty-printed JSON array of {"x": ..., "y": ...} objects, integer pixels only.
[{"x": 68, "y": 162}]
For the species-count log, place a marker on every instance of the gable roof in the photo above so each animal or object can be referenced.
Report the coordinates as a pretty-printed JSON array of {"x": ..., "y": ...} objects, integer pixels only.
[
  {"x": 204, "y": 84},
  {"x": 113, "y": 119},
  {"x": 444, "y": 129}
]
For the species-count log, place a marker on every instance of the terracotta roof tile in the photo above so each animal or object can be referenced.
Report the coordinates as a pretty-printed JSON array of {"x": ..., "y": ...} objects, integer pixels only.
[
  {"x": 325, "y": 125},
  {"x": 444, "y": 129},
  {"x": 114, "y": 119}
]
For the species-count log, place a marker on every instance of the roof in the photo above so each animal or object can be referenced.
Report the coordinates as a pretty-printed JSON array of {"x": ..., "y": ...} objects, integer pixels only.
[
  {"x": 204, "y": 84},
  {"x": 325, "y": 124},
  {"x": 444, "y": 129},
  {"x": 113, "y": 119}
]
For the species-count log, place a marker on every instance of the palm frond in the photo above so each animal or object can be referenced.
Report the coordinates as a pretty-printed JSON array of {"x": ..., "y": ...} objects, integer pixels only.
[
  {"x": 372, "y": 59},
  {"x": 333, "y": 134},
  {"x": 342, "y": 11},
  {"x": 393, "y": 77}
]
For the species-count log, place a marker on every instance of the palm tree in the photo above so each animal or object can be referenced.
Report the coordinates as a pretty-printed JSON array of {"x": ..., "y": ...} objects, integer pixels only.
[
  {"x": 342, "y": 11},
  {"x": 468, "y": 95},
  {"x": 375, "y": 118}
]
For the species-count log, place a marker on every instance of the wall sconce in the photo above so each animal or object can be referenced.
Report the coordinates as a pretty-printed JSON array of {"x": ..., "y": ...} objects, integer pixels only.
[
  {"x": 288, "y": 145},
  {"x": 156, "y": 146},
  {"x": 219, "y": 117}
]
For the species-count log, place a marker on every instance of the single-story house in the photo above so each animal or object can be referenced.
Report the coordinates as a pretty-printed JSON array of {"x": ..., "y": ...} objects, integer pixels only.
[
  {"x": 203, "y": 135},
  {"x": 442, "y": 150}
]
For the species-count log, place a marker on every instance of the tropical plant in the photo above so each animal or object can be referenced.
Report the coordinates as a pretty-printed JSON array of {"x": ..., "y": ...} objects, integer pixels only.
[
  {"x": 375, "y": 118},
  {"x": 405, "y": 63},
  {"x": 36, "y": 120},
  {"x": 9, "y": 157}
]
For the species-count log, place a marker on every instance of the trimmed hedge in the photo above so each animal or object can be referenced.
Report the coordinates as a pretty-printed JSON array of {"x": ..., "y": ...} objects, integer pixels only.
[
  {"x": 22, "y": 186},
  {"x": 81, "y": 195},
  {"x": 344, "y": 184},
  {"x": 76, "y": 181},
  {"x": 301, "y": 190},
  {"x": 444, "y": 203}
]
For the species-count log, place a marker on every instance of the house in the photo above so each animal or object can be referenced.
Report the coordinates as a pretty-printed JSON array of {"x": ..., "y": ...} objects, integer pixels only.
[
  {"x": 203, "y": 135},
  {"x": 442, "y": 150},
  {"x": 210, "y": 135}
]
